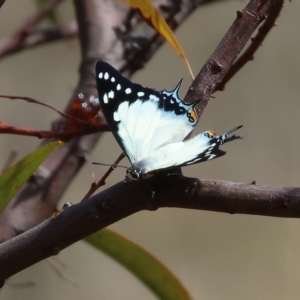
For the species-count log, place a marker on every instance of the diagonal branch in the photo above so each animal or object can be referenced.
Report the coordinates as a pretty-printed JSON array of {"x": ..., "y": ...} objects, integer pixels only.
[
  {"x": 256, "y": 42},
  {"x": 216, "y": 67}
]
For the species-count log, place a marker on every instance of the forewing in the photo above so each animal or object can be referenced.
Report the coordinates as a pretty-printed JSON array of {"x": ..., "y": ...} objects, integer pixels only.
[{"x": 141, "y": 119}]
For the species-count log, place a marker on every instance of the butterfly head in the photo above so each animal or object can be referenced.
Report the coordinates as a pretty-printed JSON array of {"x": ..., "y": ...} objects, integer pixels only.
[{"x": 134, "y": 174}]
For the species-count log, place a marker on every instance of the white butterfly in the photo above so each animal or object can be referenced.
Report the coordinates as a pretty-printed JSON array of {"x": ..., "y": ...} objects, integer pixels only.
[{"x": 151, "y": 126}]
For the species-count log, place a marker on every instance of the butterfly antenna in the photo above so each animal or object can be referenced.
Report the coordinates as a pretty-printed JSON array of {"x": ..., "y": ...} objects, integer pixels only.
[
  {"x": 108, "y": 165},
  {"x": 234, "y": 137},
  {"x": 234, "y": 129}
]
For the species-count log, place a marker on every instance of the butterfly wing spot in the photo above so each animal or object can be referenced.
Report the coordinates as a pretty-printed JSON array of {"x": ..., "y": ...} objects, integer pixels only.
[
  {"x": 140, "y": 94},
  {"x": 113, "y": 79},
  {"x": 192, "y": 115},
  {"x": 111, "y": 94},
  {"x": 100, "y": 75},
  {"x": 118, "y": 86},
  {"x": 128, "y": 91},
  {"x": 106, "y": 76},
  {"x": 105, "y": 98},
  {"x": 153, "y": 98}
]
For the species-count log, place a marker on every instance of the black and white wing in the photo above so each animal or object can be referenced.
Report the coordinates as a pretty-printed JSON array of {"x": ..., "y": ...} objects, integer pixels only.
[
  {"x": 203, "y": 147},
  {"x": 151, "y": 126},
  {"x": 142, "y": 120}
]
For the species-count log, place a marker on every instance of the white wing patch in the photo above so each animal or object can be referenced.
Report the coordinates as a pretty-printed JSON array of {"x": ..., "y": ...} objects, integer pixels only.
[
  {"x": 139, "y": 135},
  {"x": 174, "y": 154},
  {"x": 105, "y": 98},
  {"x": 111, "y": 94}
]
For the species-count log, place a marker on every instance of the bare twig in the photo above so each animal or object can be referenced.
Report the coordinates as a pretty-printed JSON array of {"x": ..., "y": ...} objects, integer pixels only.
[
  {"x": 31, "y": 100},
  {"x": 101, "y": 182},
  {"x": 42, "y": 134},
  {"x": 12, "y": 42},
  {"x": 40, "y": 37}
]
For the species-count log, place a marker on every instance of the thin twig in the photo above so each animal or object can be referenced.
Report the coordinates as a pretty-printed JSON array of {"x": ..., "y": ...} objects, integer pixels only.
[
  {"x": 40, "y": 37},
  {"x": 12, "y": 42},
  {"x": 44, "y": 134},
  {"x": 31, "y": 100},
  {"x": 101, "y": 182}
]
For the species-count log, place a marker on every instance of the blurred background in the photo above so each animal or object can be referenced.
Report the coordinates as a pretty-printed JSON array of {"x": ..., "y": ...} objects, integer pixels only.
[{"x": 215, "y": 255}]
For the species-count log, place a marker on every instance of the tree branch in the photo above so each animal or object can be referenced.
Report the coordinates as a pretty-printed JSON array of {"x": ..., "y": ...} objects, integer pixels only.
[
  {"x": 118, "y": 202},
  {"x": 256, "y": 42}
]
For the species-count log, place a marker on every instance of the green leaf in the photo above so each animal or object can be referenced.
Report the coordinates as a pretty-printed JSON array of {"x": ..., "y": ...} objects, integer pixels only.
[
  {"x": 13, "y": 179},
  {"x": 141, "y": 263}
]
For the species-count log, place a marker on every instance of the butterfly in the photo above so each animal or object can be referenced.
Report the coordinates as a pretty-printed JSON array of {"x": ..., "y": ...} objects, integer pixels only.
[{"x": 151, "y": 126}]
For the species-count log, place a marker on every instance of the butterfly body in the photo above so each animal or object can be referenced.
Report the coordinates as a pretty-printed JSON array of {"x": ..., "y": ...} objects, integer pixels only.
[{"x": 150, "y": 126}]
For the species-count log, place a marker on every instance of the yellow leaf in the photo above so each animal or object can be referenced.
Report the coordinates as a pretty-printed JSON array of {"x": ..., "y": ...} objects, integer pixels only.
[{"x": 152, "y": 15}]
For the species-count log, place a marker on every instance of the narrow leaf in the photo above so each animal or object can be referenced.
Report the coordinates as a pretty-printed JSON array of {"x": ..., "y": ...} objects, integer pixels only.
[
  {"x": 13, "y": 179},
  {"x": 141, "y": 263},
  {"x": 156, "y": 20}
]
